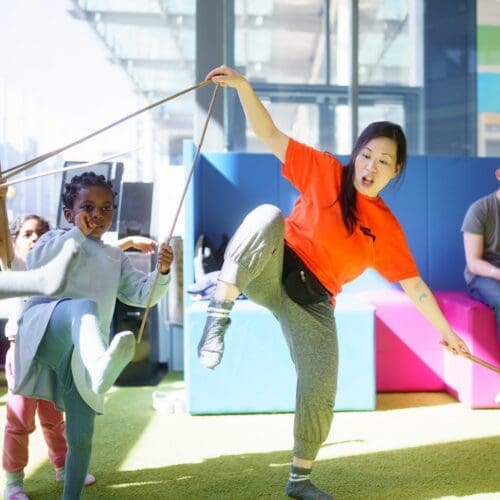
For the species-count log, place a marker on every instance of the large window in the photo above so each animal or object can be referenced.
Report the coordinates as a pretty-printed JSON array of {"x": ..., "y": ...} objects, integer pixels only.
[
  {"x": 281, "y": 40},
  {"x": 488, "y": 77},
  {"x": 298, "y": 53},
  {"x": 390, "y": 42}
]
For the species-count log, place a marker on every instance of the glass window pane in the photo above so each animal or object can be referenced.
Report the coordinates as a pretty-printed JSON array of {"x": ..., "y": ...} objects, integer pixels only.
[
  {"x": 121, "y": 5},
  {"x": 488, "y": 78},
  {"x": 302, "y": 122},
  {"x": 280, "y": 40},
  {"x": 294, "y": 119},
  {"x": 374, "y": 112},
  {"x": 390, "y": 42}
]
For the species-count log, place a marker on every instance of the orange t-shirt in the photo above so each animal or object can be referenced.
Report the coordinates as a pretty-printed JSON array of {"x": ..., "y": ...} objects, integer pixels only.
[{"x": 315, "y": 230}]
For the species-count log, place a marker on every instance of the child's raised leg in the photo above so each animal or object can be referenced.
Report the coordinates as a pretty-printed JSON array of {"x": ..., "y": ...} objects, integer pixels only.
[{"x": 74, "y": 323}]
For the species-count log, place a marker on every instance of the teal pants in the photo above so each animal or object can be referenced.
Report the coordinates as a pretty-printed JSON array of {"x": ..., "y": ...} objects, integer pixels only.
[{"x": 55, "y": 351}]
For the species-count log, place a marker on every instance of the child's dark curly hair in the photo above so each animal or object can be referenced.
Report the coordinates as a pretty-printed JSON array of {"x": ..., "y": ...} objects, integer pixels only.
[{"x": 83, "y": 181}]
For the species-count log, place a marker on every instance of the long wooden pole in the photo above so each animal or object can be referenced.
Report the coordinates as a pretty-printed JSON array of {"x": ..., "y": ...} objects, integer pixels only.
[
  {"x": 167, "y": 240},
  {"x": 74, "y": 167},
  {"x": 6, "y": 250},
  {"x": 482, "y": 362}
]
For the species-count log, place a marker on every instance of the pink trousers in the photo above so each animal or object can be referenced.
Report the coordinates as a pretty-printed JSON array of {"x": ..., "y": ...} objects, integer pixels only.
[{"x": 21, "y": 423}]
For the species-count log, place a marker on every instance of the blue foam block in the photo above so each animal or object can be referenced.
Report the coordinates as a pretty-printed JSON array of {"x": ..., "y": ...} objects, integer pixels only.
[{"x": 257, "y": 375}]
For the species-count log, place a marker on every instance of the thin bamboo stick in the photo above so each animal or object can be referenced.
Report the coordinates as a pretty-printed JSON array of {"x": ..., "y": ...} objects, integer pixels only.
[
  {"x": 74, "y": 167},
  {"x": 482, "y": 362},
  {"x": 6, "y": 249},
  {"x": 167, "y": 240}
]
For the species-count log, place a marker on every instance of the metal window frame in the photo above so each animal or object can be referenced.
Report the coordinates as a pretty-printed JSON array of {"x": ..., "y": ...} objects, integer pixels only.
[{"x": 409, "y": 97}]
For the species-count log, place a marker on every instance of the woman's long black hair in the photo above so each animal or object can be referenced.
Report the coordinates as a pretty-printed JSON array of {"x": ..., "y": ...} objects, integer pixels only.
[{"x": 347, "y": 196}]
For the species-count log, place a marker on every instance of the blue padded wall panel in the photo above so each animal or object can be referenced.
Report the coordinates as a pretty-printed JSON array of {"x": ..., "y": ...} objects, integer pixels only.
[
  {"x": 233, "y": 184},
  {"x": 287, "y": 195},
  {"x": 454, "y": 183}
]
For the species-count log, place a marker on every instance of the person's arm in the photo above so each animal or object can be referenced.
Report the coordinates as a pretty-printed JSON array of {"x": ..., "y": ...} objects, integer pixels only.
[
  {"x": 142, "y": 243},
  {"x": 257, "y": 115},
  {"x": 474, "y": 248},
  {"x": 424, "y": 300},
  {"x": 137, "y": 288}
]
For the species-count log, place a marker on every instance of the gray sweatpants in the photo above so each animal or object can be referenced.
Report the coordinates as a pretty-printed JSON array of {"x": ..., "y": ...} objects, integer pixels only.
[{"x": 253, "y": 262}]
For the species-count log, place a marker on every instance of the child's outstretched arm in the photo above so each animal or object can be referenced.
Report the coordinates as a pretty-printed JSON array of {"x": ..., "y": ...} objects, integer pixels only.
[
  {"x": 136, "y": 286},
  {"x": 142, "y": 243}
]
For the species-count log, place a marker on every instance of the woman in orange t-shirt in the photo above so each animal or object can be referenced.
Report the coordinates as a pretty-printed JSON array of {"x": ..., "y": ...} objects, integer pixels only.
[{"x": 338, "y": 227}]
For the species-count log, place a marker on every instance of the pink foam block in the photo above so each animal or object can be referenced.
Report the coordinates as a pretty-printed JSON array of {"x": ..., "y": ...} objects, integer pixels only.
[
  {"x": 471, "y": 383},
  {"x": 408, "y": 354}
]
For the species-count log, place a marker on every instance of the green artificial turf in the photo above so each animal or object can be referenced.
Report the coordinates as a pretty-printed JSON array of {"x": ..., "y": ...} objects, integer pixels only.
[{"x": 409, "y": 448}]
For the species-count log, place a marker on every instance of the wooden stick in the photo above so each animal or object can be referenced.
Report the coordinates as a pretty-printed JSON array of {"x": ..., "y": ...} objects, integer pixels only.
[
  {"x": 74, "y": 167},
  {"x": 23, "y": 166},
  {"x": 482, "y": 362},
  {"x": 6, "y": 252},
  {"x": 167, "y": 240},
  {"x": 6, "y": 248}
]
